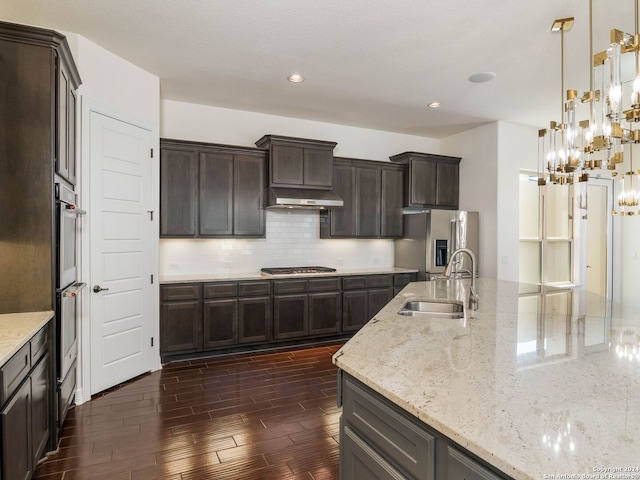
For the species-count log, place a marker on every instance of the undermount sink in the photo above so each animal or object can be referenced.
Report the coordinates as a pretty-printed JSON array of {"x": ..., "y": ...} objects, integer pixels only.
[{"x": 442, "y": 309}]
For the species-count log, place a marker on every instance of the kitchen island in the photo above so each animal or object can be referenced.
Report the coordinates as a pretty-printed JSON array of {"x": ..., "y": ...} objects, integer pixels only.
[{"x": 534, "y": 384}]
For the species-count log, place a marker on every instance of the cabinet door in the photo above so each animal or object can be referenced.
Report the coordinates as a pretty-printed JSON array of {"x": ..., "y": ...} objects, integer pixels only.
[
  {"x": 71, "y": 137},
  {"x": 290, "y": 316},
  {"x": 181, "y": 327},
  {"x": 447, "y": 184},
  {"x": 422, "y": 182},
  {"x": 377, "y": 299},
  {"x": 391, "y": 203},
  {"x": 220, "y": 323},
  {"x": 254, "y": 319},
  {"x": 324, "y": 313},
  {"x": 343, "y": 220},
  {"x": 368, "y": 202},
  {"x": 178, "y": 193},
  {"x": 248, "y": 196},
  {"x": 287, "y": 165},
  {"x": 40, "y": 410},
  {"x": 215, "y": 194},
  {"x": 62, "y": 138},
  {"x": 318, "y": 167},
  {"x": 15, "y": 424},
  {"x": 354, "y": 310}
]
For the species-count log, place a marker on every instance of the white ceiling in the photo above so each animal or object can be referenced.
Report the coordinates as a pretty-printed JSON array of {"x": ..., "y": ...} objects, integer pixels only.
[{"x": 367, "y": 63}]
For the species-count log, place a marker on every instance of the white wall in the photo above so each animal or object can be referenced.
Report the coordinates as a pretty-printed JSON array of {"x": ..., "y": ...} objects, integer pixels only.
[
  {"x": 291, "y": 239},
  {"x": 517, "y": 149},
  {"x": 116, "y": 82},
  {"x": 187, "y": 121},
  {"x": 478, "y": 186}
]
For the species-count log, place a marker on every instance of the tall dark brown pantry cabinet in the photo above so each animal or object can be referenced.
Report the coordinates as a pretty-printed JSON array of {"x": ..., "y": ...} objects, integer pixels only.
[
  {"x": 38, "y": 83},
  {"x": 38, "y": 80}
]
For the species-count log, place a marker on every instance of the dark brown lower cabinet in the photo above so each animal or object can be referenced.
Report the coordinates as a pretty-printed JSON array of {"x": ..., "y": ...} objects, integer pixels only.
[
  {"x": 377, "y": 299},
  {"x": 290, "y": 316},
  {"x": 254, "y": 319},
  {"x": 379, "y": 440},
  {"x": 324, "y": 313},
  {"x": 220, "y": 323},
  {"x": 40, "y": 409},
  {"x": 206, "y": 317},
  {"x": 181, "y": 326},
  {"x": 25, "y": 416},
  {"x": 15, "y": 421},
  {"x": 363, "y": 297},
  {"x": 354, "y": 310}
]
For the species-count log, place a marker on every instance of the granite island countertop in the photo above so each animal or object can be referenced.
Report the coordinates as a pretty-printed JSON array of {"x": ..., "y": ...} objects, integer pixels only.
[
  {"x": 535, "y": 384},
  {"x": 248, "y": 276},
  {"x": 16, "y": 329}
]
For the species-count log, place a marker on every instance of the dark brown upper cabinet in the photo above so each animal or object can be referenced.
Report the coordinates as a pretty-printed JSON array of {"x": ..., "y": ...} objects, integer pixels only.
[
  {"x": 299, "y": 162},
  {"x": 431, "y": 180},
  {"x": 373, "y": 194},
  {"x": 209, "y": 190}
]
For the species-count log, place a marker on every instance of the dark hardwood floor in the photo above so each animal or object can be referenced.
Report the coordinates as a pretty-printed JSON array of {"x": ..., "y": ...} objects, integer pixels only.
[{"x": 240, "y": 417}]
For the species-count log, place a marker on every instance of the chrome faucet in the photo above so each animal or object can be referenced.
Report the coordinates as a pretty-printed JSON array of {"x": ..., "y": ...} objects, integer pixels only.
[{"x": 473, "y": 294}]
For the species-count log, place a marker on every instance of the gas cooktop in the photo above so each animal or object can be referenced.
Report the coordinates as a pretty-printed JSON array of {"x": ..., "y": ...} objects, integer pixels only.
[{"x": 294, "y": 270}]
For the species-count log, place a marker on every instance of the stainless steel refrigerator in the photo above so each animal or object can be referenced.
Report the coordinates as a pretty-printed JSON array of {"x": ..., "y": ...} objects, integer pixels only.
[{"x": 431, "y": 236}]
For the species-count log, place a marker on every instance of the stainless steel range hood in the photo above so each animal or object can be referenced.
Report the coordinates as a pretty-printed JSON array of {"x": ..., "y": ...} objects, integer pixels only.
[{"x": 303, "y": 198}]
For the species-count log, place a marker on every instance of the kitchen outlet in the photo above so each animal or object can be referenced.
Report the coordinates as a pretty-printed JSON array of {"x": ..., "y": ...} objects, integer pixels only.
[{"x": 174, "y": 266}]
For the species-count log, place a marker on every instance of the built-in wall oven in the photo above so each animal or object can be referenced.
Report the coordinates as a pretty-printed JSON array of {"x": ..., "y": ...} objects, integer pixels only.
[{"x": 68, "y": 295}]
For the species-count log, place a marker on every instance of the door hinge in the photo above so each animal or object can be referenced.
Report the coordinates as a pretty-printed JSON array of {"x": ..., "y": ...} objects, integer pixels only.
[
  {"x": 150, "y": 214},
  {"x": 152, "y": 278},
  {"x": 152, "y": 153},
  {"x": 152, "y": 341}
]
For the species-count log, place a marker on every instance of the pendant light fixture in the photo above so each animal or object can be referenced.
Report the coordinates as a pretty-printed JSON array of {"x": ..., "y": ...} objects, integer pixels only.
[{"x": 568, "y": 150}]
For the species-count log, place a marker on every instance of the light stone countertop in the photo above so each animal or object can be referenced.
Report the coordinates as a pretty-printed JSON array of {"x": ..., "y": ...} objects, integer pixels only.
[
  {"x": 233, "y": 277},
  {"x": 533, "y": 384},
  {"x": 16, "y": 329}
]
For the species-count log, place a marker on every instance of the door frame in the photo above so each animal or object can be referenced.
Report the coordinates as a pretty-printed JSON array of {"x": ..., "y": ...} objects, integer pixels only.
[{"x": 87, "y": 107}]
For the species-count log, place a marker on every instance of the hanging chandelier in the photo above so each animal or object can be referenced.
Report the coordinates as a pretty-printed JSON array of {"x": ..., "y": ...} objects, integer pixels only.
[{"x": 569, "y": 149}]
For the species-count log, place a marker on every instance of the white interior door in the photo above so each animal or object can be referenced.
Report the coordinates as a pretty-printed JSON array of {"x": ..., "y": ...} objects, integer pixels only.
[
  {"x": 122, "y": 313},
  {"x": 599, "y": 249}
]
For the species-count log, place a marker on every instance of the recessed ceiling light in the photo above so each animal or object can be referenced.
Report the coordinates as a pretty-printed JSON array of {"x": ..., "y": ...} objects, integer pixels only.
[
  {"x": 434, "y": 105},
  {"x": 295, "y": 78},
  {"x": 482, "y": 77}
]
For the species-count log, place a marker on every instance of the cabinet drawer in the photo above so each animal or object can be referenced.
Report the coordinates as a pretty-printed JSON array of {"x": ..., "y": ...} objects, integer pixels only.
[
  {"x": 324, "y": 285},
  {"x": 404, "y": 442},
  {"x": 219, "y": 290},
  {"x": 39, "y": 344},
  {"x": 401, "y": 279},
  {"x": 460, "y": 465},
  {"x": 375, "y": 281},
  {"x": 354, "y": 283},
  {"x": 248, "y": 289},
  {"x": 360, "y": 461},
  {"x": 289, "y": 286},
  {"x": 189, "y": 291},
  {"x": 14, "y": 372}
]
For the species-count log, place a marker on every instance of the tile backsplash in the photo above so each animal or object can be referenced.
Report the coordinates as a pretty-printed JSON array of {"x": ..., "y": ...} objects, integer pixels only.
[{"x": 292, "y": 239}]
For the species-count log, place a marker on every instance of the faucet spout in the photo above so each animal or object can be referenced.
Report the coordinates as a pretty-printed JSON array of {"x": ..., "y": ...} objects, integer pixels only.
[{"x": 473, "y": 293}]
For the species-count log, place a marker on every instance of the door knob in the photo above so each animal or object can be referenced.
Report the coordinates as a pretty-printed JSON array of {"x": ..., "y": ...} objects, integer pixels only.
[{"x": 98, "y": 289}]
